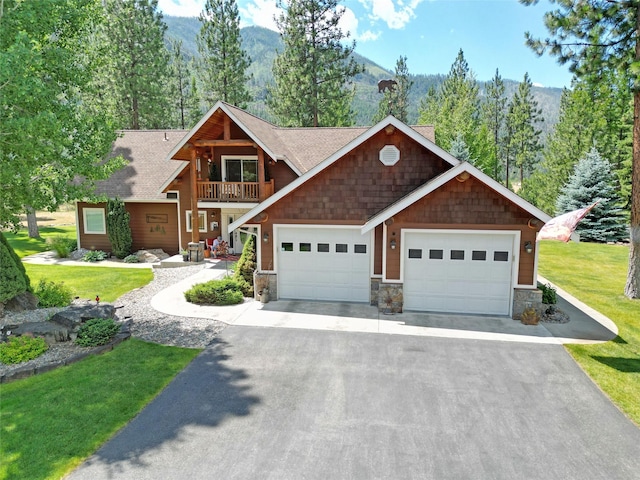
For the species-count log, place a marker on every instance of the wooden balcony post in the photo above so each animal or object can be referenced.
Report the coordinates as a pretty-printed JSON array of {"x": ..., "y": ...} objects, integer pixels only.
[
  {"x": 261, "y": 193},
  {"x": 193, "y": 176}
]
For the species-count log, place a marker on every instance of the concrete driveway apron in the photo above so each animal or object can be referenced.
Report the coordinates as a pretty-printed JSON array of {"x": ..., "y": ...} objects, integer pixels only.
[{"x": 278, "y": 403}]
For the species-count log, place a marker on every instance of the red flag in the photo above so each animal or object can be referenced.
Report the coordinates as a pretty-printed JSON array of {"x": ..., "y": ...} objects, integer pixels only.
[{"x": 561, "y": 227}]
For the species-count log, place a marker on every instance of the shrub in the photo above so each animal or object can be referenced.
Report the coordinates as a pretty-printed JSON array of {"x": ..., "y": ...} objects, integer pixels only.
[
  {"x": 549, "y": 294},
  {"x": 118, "y": 228},
  {"x": 131, "y": 259},
  {"x": 51, "y": 294},
  {"x": 94, "y": 256},
  {"x": 17, "y": 261},
  {"x": 63, "y": 246},
  {"x": 12, "y": 281},
  {"x": 96, "y": 332},
  {"x": 22, "y": 349},
  {"x": 215, "y": 292},
  {"x": 246, "y": 265}
]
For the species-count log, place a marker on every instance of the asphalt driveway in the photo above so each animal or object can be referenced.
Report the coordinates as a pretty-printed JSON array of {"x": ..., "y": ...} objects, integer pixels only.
[{"x": 275, "y": 403}]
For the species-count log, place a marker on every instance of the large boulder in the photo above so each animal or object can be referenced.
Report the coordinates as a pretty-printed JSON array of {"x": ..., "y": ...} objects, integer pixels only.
[
  {"x": 21, "y": 302},
  {"x": 74, "y": 316},
  {"x": 51, "y": 332}
]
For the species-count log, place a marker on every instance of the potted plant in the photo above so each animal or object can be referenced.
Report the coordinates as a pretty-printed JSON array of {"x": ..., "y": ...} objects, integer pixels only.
[{"x": 185, "y": 255}]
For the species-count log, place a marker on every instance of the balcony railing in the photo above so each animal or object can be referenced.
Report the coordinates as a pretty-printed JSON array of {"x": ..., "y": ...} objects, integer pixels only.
[{"x": 234, "y": 191}]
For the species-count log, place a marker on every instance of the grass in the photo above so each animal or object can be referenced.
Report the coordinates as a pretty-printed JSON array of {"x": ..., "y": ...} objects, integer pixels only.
[
  {"x": 24, "y": 246},
  {"x": 87, "y": 282},
  {"x": 51, "y": 422},
  {"x": 596, "y": 274}
]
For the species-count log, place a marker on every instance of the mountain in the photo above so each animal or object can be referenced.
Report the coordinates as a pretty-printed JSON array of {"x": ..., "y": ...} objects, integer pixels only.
[{"x": 262, "y": 45}]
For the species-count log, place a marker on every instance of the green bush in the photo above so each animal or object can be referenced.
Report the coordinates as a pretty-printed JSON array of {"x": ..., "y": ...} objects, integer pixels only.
[
  {"x": 22, "y": 349},
  {"x": 12, "y": 281},
  {"x": 246, "y": 265},
  {"x": 94, "y": 256},
  {"x": 52, "y": 294},
  {"x": 63, "y": 246},
  {"x": 118, "y": 228},
  {"x": 97, "y": 331},
  {"x": 549, "y": 294},
  {"x": 131, "y": 259},
  {"x": 215, "y": 292},
  {"x": 17, "y": 260}
]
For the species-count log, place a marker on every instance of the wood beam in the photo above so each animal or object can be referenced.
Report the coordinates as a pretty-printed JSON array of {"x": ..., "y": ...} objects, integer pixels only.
[
  {"x": 225, "y": 143},
  {"x": 195, "y": 220},
  {"x": 260, "y": 174},
  {"x": 227, "y": 128}
]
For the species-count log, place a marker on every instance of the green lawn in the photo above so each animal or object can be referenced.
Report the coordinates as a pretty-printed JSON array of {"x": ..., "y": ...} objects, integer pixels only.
[
  {"x": 51, "y": 422},
  {"x": 24, "y": 246},
  {"x": 596, "y": 275}
]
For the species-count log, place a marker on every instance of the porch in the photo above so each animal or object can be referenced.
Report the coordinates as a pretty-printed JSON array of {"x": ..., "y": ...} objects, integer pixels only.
[{"x": 234, "y": 191}]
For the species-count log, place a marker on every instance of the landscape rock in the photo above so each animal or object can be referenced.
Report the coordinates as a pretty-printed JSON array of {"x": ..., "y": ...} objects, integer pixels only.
[
  {"x": 51, "y": 332},
  {"x": 154, "y": 255},
  {"x": 22, "y": 302},
  {"x": 74, "y": 316}
]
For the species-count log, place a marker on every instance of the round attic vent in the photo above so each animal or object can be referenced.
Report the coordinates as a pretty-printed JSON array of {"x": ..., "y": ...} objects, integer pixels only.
[{"x": 389, "y": 155}]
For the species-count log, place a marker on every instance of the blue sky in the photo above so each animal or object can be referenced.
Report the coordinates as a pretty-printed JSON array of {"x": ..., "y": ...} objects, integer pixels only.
[{"x": 430, "y": 33}]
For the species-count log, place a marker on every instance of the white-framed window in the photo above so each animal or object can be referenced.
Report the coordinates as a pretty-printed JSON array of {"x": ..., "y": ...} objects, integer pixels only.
[
  {"x": 240, "y": 168},
  {"x": 202, "y": 221},
  {"x": 94, "y": 221}
]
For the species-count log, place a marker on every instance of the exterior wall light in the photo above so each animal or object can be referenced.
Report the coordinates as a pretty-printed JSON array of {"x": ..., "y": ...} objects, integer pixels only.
[
  {"x": 265, "y": 237},
  {"x": 528, "y": 247},
  {"x": 392, "y": 244}
]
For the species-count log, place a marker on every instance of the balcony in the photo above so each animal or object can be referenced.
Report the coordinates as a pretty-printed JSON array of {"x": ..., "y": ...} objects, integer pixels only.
[{"x": 236, "y": 192}]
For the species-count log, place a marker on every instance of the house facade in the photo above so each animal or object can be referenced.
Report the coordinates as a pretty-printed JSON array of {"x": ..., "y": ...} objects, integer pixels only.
[{"x": 367, "y": 214}]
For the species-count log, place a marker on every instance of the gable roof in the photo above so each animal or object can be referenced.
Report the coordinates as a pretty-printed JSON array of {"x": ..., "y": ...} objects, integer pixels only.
[
  {"x": 148, "y": 167},
  {"x": 337, "y": 154},
  {"x": 440, "y": 180},
  {"x": 300, "y": 148}
]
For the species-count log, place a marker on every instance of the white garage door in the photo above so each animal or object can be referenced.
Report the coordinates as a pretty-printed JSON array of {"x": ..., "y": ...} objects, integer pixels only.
[
  {"x": 456, "y": 272},
  {"x": 323, "y": 264}
]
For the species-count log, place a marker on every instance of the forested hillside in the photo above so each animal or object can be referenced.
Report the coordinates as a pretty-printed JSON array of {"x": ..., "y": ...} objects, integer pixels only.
[{"x": 262, "y": 44}]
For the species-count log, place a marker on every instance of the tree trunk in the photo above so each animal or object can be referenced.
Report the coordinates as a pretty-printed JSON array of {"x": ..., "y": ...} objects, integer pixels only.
[
  {"x": 32, "y": 223},
  {"x": 632, "y": 288}
]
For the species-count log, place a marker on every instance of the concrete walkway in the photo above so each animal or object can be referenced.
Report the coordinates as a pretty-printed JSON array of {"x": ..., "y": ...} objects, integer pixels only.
[{"x": 586, "y": 325}]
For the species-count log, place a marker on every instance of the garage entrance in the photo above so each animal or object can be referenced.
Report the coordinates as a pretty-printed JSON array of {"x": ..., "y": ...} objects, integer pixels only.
[
  {"x": 458, "y": 272},
  {"x": 323, "y": 263}
]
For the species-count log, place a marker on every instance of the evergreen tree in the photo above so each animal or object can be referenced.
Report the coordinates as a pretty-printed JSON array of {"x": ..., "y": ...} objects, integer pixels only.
[
  {"x": 118, "y": 228},
  {"x": 16, "y": 260},
  {"x": 460, "y": 150},
  {"x": 593, "y": 180},
  {"x": 134, "y": 75},
  {"x": 224, "y": 63},
  {"x": 454, "y": 109},
  {"x": 523, "y": 138},
  {"x": 187, "y": 104},
  {"x": 314, "y": 72},
  {"x": 594, "y": 37},
  {"x": 12, "y": 281},
  {"x": 494, "y": 112},
  {"x": 396, "y": 102}
]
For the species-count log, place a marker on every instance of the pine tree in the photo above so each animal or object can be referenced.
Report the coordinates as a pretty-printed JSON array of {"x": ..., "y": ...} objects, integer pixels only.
[
  {"x": 187, "y": 110},
  {"x": 118, "y": 228},
  {"x": 12, "y": 281},
  {"x": 17, "y": 261},
  {"x": 134, "y": 78},
  {"x": 523, "y": 138},
  {"x": 494, "y": 112},
  {"x": 460, "y": 150},
  {"x": 314, "y": 74},
  {"x": 224, "y": 63},
  {"x": 396, "y": 102},
  {"x": 592, "y": 180}
]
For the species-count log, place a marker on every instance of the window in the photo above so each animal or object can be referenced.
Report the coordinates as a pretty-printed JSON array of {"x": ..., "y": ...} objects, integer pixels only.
[
  {"x": 94, "y": 221},
  {"x": 240, "y": 169},
  {"x": 342, "y": 248},
  {"x": 415, "y": 253},
  {"x": 305, "y": 247},
  {"x": 479, "y": 255},
  {"x": 287, "y": 247},
  {"x": 359, "y": 248},
  {"x": 323, "y": 247},
  {"x": 457, "y": 254},
  {"x": 500, "y": 256},
  {"x": 202, "y": 221},
  {"x": 435, "y": 254}
]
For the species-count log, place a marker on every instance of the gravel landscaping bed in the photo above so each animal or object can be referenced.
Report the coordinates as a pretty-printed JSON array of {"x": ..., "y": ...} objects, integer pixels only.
[{"x": 142, "y": 321}]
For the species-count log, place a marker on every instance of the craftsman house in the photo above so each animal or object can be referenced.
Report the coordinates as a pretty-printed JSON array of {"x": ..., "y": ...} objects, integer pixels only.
[{"x": 365, "y": 214}]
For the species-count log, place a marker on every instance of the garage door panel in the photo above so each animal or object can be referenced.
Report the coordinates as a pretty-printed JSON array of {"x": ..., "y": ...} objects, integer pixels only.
[
  {"x": 458, "y": 272},
  {"x": 319, "y": 274}
]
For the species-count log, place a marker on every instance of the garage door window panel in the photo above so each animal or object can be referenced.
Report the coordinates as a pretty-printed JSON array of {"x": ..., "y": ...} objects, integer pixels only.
[
  {"x": 479, "y": 255},
  {"x": 436, "y": 254},
  {"x": 305, "y": 247},
  {"x": 500, "y": 256},
  {"x": 323, "y": 248},
  {"x": 457, "y": 254},
  {"x": 342, "y": 248},
  {"x": 287, "y": 246}
]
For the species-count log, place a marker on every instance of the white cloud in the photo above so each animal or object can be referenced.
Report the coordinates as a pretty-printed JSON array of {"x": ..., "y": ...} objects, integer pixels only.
[
  {"x": 535, "y": 84},
  {"x": 181, "y": 8},
  {"x": 259, "y": 12},
  {"x": 395, "y": 15},
  {"x": 368, "y": 36}
]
